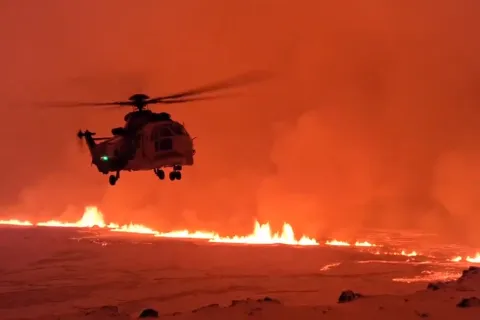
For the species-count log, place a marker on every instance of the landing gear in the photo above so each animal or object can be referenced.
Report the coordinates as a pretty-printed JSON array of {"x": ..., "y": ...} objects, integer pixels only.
[
  {"x": 173, "y": 175},
  {"x": 159, "y": 173},
  {"x": 176, "y": 174},
  {"x": 113, "y": 178}
]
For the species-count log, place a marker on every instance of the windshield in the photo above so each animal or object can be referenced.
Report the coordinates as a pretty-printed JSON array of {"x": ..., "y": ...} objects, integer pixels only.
[{"x": 178, "y": 129}]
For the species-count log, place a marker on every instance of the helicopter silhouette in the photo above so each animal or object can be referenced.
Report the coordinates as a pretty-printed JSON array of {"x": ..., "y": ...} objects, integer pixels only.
[{"x": 150, "y": 140}]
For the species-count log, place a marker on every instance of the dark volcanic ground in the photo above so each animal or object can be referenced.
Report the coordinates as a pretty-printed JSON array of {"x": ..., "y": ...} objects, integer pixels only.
[{"x": 55, "y": 270}]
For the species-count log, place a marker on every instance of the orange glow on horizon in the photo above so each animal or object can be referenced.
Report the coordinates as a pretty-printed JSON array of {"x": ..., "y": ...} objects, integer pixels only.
[
  {"x": 262, "y": 234},
  {"x": 92, "y": 217}
]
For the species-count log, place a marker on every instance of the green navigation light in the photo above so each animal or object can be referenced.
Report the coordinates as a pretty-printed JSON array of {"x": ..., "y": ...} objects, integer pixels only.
[{"x": 104, "y": 158}]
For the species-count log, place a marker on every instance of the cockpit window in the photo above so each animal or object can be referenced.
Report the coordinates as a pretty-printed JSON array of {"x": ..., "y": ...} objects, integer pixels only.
[
  {"x": 164, "y": 132},
  {"x": 177, "y": 129},
  {"x": 161, "y": 132}
]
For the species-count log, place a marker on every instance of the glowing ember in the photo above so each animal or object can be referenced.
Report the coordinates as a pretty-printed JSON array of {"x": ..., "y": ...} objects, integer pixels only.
[
  {"x": 262, "y": 234},
  {"x": 456, "y": 259}
]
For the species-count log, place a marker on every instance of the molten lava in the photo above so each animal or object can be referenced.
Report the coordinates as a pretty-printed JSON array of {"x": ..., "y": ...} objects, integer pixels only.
[
  {"x": 475, "y": 259},
  {"x": 337, "y": 243},
  {"x": 262, "y": 234},
  {"x": 92, "y": 217},
  {"x": 15, "y": 222},
  {"x": 348, "y": 244},
  {"x": 185, "y": 234}
]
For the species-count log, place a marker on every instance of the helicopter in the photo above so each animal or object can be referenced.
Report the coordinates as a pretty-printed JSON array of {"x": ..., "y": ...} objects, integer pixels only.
[{"x": 150, "y": 140}]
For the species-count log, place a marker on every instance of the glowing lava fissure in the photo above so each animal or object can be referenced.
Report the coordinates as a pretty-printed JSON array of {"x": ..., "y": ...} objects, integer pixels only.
[
  {"x": 92, "y": 217},
  {"x": 261, "y": 235}
]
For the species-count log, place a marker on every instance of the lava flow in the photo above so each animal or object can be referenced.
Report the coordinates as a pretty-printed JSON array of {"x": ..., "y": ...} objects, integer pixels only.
[
  {"x": 262, "y": 234},
  {"x": 475, "y": 259},
  {"x": 92, "y": 217}
]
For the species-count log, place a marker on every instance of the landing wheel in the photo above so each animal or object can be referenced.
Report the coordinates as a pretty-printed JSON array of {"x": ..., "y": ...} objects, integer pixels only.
[
  {"x": 175, "y": 175},
  {"x": 160, "y": 174},
  {"x": 112, "y": 180}
]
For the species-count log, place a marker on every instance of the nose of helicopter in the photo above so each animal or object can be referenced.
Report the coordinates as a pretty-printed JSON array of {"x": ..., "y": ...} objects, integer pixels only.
[{"x": 102, "y": 162}]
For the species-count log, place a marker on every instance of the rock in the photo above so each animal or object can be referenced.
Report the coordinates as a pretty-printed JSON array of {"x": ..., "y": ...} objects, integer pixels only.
[
  {"x": 469, "y": 279},
  {"x": 472, "y": 272},
  {"x": 237, "y": 302},
  {"x": 434, "y": 286},
  {"x": 469, "y": 302},
  {"x": 269, "y": 300},
  {"x": 249, "y": 300},
  {"x": 148, "y": 313},
  {"x": 348, "y": 296},
  {"x": 422, "y": 314}
]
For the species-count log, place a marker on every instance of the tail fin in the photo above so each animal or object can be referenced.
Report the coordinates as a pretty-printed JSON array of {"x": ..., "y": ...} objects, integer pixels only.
[{"x": 88, "y": 136}]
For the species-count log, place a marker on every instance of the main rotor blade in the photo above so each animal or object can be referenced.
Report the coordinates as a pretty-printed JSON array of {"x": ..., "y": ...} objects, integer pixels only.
[
  {"x": 183, "y": 100},
  {"x": 240, "y": 80},
  {"x": 89, "y": 104}
]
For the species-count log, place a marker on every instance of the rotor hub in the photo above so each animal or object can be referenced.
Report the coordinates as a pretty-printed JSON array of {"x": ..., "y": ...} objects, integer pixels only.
[{"x": 139, "y": 97}]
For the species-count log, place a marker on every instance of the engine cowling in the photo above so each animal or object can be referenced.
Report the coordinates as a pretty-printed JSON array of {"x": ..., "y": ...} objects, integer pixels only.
[{"x": 118, "y": 131}]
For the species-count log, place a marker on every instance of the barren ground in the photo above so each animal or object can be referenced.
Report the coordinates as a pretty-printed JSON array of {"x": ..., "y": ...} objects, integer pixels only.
[{"x": 66, "y": 273}]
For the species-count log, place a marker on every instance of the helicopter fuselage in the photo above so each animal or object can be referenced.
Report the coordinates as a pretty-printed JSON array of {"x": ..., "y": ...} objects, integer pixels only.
[{"x": 152, "y": 146}]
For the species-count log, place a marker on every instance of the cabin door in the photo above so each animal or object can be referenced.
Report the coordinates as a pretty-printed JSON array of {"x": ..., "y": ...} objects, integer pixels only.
[
  {"x": 138, "y": 146},
  {"x": 144, "y": 145}
]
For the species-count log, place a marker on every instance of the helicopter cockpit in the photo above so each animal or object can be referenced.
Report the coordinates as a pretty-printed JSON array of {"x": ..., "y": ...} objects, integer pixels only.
[
  {"x": 137, "y": 119},
  {"x": 168, "y": 130},
  {"x": 178, "y": 129}
]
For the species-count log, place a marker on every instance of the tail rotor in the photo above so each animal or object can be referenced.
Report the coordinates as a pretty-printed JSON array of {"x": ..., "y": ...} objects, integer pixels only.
[{"x": 80, "y": 142}]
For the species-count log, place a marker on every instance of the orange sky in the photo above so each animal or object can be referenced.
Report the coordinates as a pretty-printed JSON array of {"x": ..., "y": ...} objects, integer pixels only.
[{"x": 372, "y": 117}]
